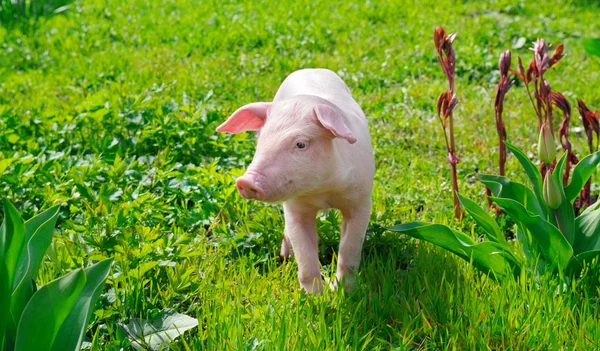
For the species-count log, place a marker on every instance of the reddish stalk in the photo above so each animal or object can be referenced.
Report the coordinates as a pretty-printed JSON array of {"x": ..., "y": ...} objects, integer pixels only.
[
  {"x": 446, "y": 103},
  {"x": 501, "y": 90},
  {"x": 591, "y": 126},
  {"x": 561, "y": 102},
  {"x": 540, "y": 94}
]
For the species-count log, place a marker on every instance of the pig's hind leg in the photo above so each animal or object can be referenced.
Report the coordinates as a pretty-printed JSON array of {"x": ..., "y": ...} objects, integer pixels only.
[
  {"x": 354, "y": 226},
  {"x": 301, "y": 230},
  {"x": 286, "y": 247}
]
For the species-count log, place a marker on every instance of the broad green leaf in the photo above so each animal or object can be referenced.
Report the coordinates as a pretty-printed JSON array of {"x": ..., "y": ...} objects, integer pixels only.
[
  {"x": 555, "y": 248},
  {"x": 581, "y": 173},
  {"x": 559, "y": 170},
  {"x": 484, "y": 219},
  {"x": 592, "y": 46},
  {"x": 70, "y": 335},
  {"x": 531, "y": 170},
  {"x": 505, "y": 188},
  {"x": 579, "y": 260},
  {"x": 486, "y": 256},
  {"x": 588, "y": 230},
  {"x": 4, "y": 303},
  {"x": 565, "y": 211},
  {"x": 47, "y": 310},
  {"x": 155, "y": 333},
  {"x": 4, "y": 164},
  {"x": 12, "y": 239},
  {"x": 38, "y": 234},
  {"x": 526, "y": 241}
]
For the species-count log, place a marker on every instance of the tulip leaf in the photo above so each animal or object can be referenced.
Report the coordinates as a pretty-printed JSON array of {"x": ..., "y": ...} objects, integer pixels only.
[
  {"x": 565, "y": 210},
  {"x": 588, "y": 230},
  {"x": 581, "y": 173},
  {"x": 12, "y": 239},
  {"x": 490, "y": 257},
  {"x": 578, "y": 261},
  {"x": 505, "y": 188},
  {"x": 4, "y": 303},
  {"x": 553, "y": 245},
  {"x": 483, "y": 219},
  {"x": 38, "y": 234},
  {"x": 47, "y": 310},
  {"x": 531, "y": 170},
  {"x": 70, "y": 335}
]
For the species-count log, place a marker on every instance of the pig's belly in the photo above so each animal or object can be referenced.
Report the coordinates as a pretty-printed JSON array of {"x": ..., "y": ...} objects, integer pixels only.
[{"x": 326, "y": 201}]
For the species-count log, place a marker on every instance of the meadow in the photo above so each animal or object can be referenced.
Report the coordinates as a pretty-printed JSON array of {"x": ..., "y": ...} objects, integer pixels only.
[{"x": 110, "y": 110}]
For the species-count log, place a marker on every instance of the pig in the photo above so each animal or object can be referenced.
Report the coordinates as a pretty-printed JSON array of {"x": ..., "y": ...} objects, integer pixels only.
[{"x": 313, "y": 153}]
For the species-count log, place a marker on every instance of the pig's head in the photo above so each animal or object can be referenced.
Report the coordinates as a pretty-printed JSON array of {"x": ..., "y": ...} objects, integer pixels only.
[{"x": 294, "y": 154}]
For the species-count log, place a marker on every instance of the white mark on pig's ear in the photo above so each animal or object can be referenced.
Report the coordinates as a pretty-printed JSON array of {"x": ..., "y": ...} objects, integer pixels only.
[
  {"x": 334, "y": 122},
  {"x": 248, "y": 117}
]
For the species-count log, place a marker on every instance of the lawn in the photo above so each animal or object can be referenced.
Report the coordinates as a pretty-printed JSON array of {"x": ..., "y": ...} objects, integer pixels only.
[{"x": 111, "y": 110}]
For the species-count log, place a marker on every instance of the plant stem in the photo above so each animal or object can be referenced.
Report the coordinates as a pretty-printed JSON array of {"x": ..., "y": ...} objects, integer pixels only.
[
  {"x": 539, "y": 115},
  {"x": 453, "y": 160},
  {"x": 501, "y": 140},
  {"x": 457, "y": 211},
  {"x": 560, "y": 226}
]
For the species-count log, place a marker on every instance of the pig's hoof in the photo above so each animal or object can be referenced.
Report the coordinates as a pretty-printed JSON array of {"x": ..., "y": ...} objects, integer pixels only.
[
  {"x": 314, "y": 286},
  {"x": 349, "y": 282},
  {"x": 286, "y": 250}
]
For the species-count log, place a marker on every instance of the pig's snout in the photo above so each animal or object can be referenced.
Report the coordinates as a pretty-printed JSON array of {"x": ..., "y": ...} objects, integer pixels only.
[{"x": 248, "y": 187}]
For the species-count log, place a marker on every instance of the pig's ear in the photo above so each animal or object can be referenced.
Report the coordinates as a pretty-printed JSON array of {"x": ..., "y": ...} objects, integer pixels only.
[
  {"x": 334, "y": 122},
  {"x": 248, "y": 117}
]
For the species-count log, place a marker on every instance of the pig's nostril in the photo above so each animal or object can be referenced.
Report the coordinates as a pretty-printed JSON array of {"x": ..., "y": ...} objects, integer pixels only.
[{"x": 249, "y": 189}]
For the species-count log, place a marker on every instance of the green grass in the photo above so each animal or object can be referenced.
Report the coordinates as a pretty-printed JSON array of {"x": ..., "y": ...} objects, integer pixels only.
[{"x": 111, "y": 110}]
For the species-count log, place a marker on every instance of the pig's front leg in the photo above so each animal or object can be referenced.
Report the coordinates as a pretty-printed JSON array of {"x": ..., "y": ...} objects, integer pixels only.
[
  {"x": 301, "y": 230},
  {"x": 354, "y": 226}
]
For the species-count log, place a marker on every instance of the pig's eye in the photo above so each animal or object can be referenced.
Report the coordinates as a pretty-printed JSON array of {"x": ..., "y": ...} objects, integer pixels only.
[{"x": 301, "y": 145}]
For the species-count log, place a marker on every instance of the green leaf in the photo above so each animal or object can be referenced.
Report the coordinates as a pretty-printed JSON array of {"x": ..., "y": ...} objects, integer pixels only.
[
  {"x": 47, "y": 310},
  {"x": 588, "y": 230},
  {"x": 483, "y": 219},
  {"x": 555, "y": 248},
  {"x": 592, "y": 46},
  {"x": 531, "y": 170},
  {"x": 505, "y": 188},
  {"x": 581, "y": 173},
  {"x": 4, "y": 303},
  {"x": 578, "y": 261},
  {"x": 486, "y": 256},
  {"x": 565, "y": 211},
  {"x": 70, "y": 335},
  {"x": 12, "y": 239},
  {"x": 155, "y": 333},
  {"x": 38, "y": 236}
]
